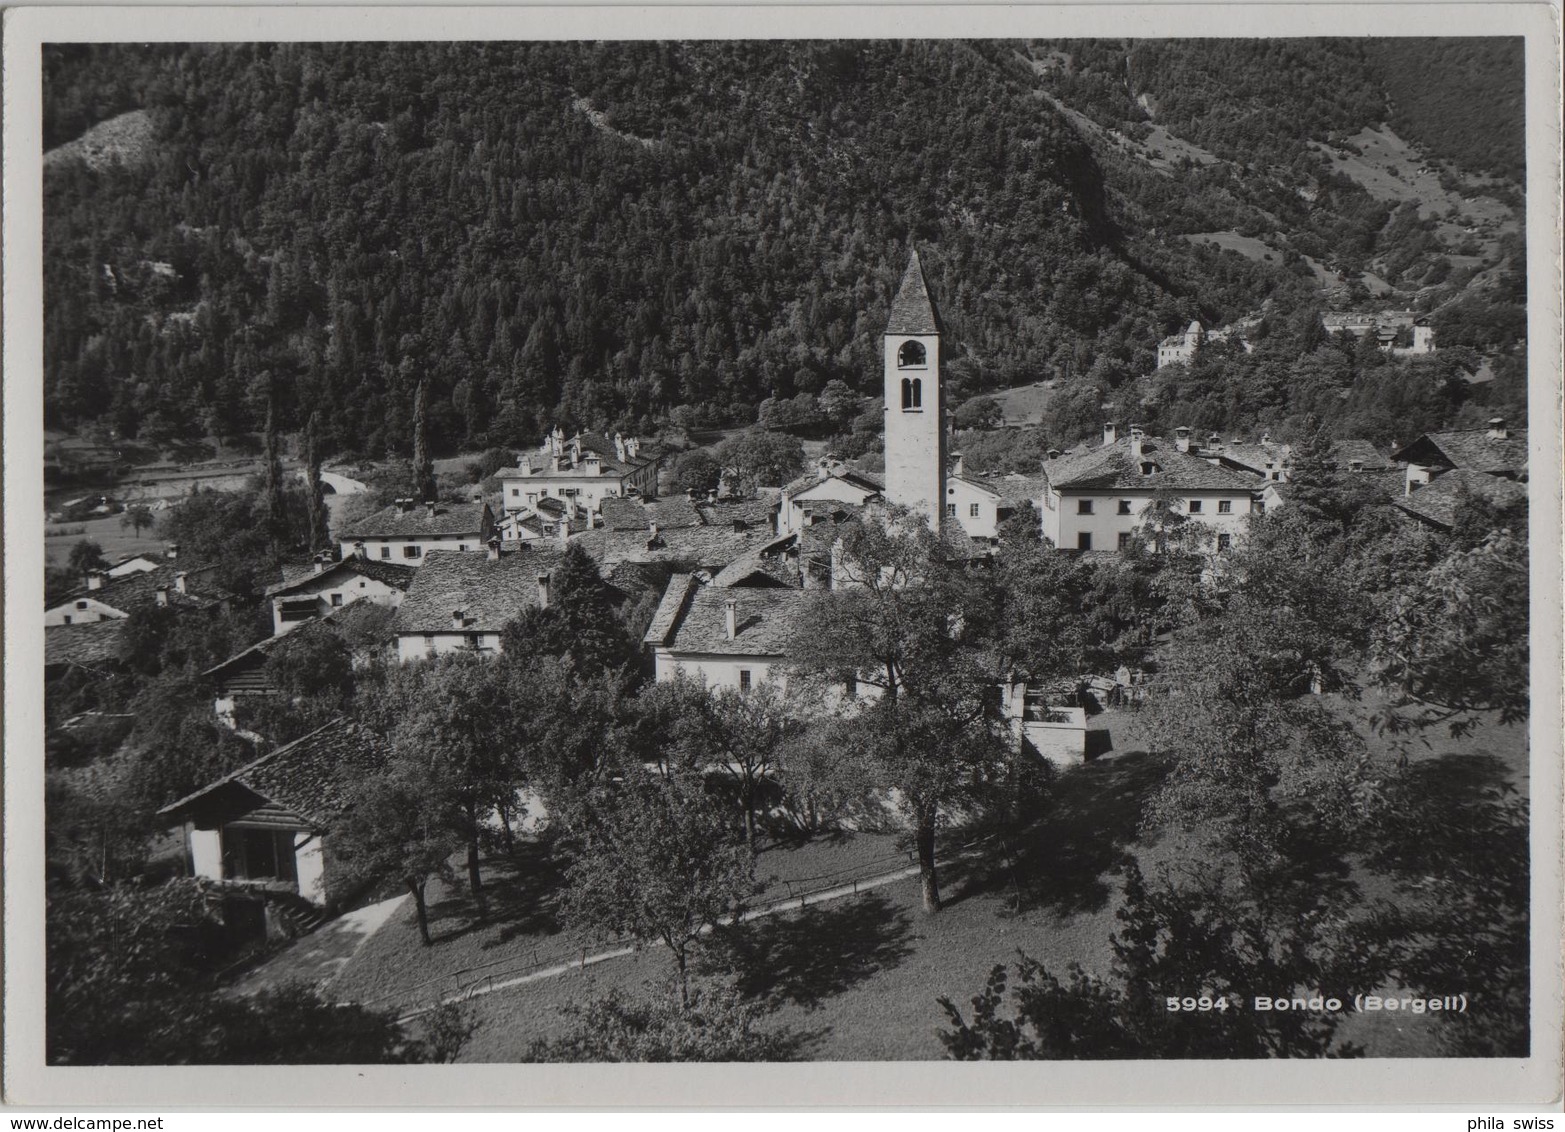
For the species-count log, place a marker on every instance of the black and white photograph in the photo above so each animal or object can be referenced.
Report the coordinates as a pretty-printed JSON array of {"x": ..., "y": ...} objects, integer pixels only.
[{"x": 903, "y": 549}]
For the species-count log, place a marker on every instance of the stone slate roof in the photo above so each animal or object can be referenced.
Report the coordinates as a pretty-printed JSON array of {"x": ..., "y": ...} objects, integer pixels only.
[
  {"x": 674, "y": 512},
  {"x": 1470, "y": 448},
  {"x": 671, "y": 606},
  {"x": 130, "y": 591},
  {"x": 1437, "y": 501},
  {"x": 767, "y": 562},
  {"x": 766, "y": 616},
  {"x": 1110, "y": 467},
  {"x": 912, "y": 311},
  {"x": 90, "y": 645},
  {"x": 390, "y": 573},
  {"x": 701, "y": 548},
  {"x": 868, "y": 481},
  {"x": 448, "y": 519},
  {"x": 758, "y": 510},
  {"x": 488, "y": 593},
  {"x": 1254, "y": 457},
  {"x": 1016, "y": 488},
  {"x": 621, "y": 513},
  {"x": 308, "y": 777},
  {"x": 980, "y": 484},
  {"x": 1346, "y": 451}
]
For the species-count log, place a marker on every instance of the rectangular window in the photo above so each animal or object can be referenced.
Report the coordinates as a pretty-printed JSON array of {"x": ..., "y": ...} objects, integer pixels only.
[
  {"x": 1124, "y": 506},
  {"x": 1083, "y": 506},
  {"x": 461, "y": 546},
  {"x": 516, "y": 493},
  {"x": 336, "y": 599},
  {"x": 951, "y": 510},
  {"x": 385, "y": 552},
  {"x": 1224, "y": 541},
  {"x": 67, "y": 618},
  {"x": 1258, "y": 506},
  {"x": 81, "y": 605},
  {"x": 744, "y": 679},
  {"x": 1225, "y": 506},
  {"x": 1084, "y": 541},
  {"x": 1124, "y": 540},
  {"x": 410, "y": 552},
  {"x": 429, "y": 644},
  {"x": 851, "y": 688},
  {"x": 1195, "y": 506},
  {"x": 972, "y": 510}
]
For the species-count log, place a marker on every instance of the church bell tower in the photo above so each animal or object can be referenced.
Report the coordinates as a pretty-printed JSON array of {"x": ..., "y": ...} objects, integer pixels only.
[{"x": 915, "y": 409}]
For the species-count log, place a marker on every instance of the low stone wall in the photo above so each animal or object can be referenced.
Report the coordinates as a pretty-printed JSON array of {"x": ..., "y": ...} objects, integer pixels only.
[{"x": 1061, "y": 737}]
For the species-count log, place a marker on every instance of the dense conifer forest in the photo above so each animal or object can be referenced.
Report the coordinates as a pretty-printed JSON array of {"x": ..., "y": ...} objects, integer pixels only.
[{"x": 627, "y": 234}]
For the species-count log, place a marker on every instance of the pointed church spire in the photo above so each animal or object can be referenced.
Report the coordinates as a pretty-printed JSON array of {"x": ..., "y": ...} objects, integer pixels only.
[{"x": 912, "y": 312}]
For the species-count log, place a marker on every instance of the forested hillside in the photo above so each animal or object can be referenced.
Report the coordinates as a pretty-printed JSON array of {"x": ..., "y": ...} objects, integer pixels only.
[{"x": 619, "y": 234}]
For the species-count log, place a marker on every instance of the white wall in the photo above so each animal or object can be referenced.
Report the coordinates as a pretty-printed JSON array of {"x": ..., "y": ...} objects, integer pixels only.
[
  {"x": 83, "y": 611},
  {"x": 1062, "y": 523},
  {"x": 962, "y": 495},
  {"x": 206, "y": 852},
  {"x": 415, "y": 646},
  {"x": 424, "y": 543},
  {"x": 719, "y": 671},
  {"x": 351, "y": 588},
  {"x": 310, "y": 862},
  {"x": 820, "y": 495}
]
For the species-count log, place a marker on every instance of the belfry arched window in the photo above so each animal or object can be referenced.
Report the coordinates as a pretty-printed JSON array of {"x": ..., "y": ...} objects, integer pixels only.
[
  {"x": 912, "y": 393},
  {"x": 911, "y": 354}
]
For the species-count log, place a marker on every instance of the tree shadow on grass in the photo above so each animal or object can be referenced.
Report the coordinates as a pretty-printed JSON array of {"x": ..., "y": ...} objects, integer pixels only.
[
  {"x": 522, "y": 890},
  {"x": 815, "y": 954},
  {"x": 1060, "y": 860}
]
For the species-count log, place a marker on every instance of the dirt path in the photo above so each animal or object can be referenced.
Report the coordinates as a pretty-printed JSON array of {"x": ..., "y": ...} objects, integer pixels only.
[{"x": 319, "y": 957}]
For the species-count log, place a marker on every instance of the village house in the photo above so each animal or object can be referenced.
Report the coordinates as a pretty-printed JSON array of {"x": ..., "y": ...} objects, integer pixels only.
[
  {"x": 676, "y": 531},
  {"x": 728, "y": 636},
  {"x": 406, "y": 531},
  {"x": 1098, "y": 498},
  {"x": 821, "y": 491},
  {"x": 267, "y": 825},
  {"x": 1180, "y": 348},
  {"x": 93, "y": 646},
  {"x": 1387, "y": 327},
  {"x": 580, "y": 472},
  {"x": 169, "y": 586},
  {"x": 460, "y": 602},
  {"x": 976, "y": 506},
  {"x": 1493, "y": 451},
  {"x": 327, "y": 585}
]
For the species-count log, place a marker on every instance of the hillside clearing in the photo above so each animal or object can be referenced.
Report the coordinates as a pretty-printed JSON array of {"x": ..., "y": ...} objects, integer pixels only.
[{"x": 125, "y": 139}]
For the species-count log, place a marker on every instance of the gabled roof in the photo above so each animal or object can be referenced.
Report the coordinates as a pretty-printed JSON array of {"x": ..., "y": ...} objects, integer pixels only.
[
  {"x": 871, "y": 482},
  {"x": 389, "y": 573},
  {"x": 758, "y": 510},
  {"x": 308, "y": 777},
  {"x": 1437, "y": 501},
  {"x": 1347, "y": 451},
  {"x": 90, "y": 644},
  {"x": 448, "y": 519},
  {"x": 765, "y": 617},
  {"x": 671, "y": 606},
  {"x": 912, "y": 311},
  {"x": 489, "y": 593},
  {"x": 699, "y": 548},
  {"x": 977, "y": 484},
  {"x": 127, "y": 592},
  {"x": 674, "y": 512},
  {"x": 1111, "y": 466},
  {"x": 1470, "y": 448},
  {"x": 766, "y": 565},
  {"x": 1252, "y": 457},
  {"x": 622, "y": 513}
]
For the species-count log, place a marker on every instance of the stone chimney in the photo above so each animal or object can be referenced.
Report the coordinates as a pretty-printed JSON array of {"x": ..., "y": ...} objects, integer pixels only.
[
  {"x": 619, "y": 447},
  {"x": 493, "y": 546},
  {"x": 632, "y": 447},
  {"x": 360, "y": 549},
  {"x": 1109, "y": 433},
  {"x": 458, "y": 619},
  {"x": 429, "y": 508},
  {"x": 404, "y": 505},
  {"x": 1214, "y": 441},
  {"x": 1497, "y": 428},
  {"x": 1182, "y": 438},
  {"x": 1266, "y": 437},
  {"x": 180, "y": 579},
  {"x": 591, "y": 464},
  {"x": 318, "y": 562},
  {"x": 731, "y": 618},
  {"x": 543, "y": 591},
  {"x": 94, "y": 579},
  {"x": 1136, "y": 438},
  {"x": 1355, "y": 465},
  {"x": 956, "y": 463},
  {"x": 478, "y": 498},
  {"x": 171, "y": 550},
  {"x": 1053, "y": 453},
  {"x": 564, "y": 528},
  {"x": 161, "y": 596}
]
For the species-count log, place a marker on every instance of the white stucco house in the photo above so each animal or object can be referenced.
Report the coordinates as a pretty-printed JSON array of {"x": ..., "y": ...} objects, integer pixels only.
[
  {"x": 460, "y": 602},
  {"x": 328, "y": 585}
]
